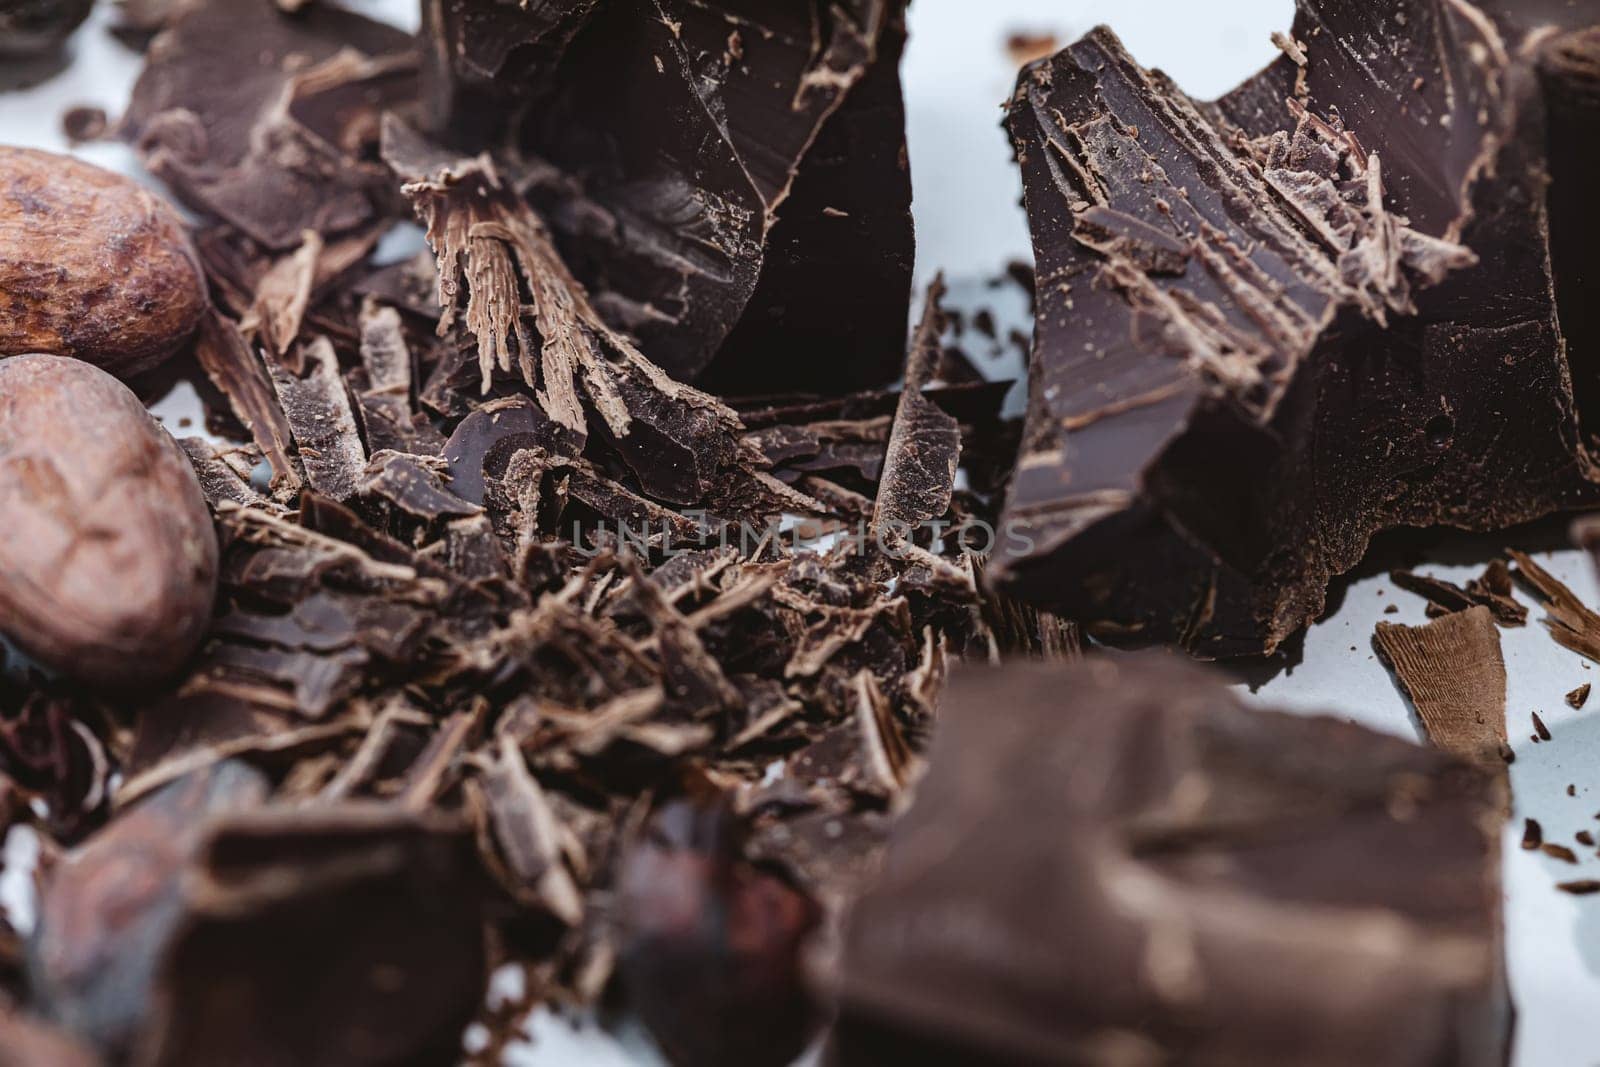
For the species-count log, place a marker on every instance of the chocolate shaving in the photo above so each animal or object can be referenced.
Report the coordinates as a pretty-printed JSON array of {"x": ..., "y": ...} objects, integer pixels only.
[
  {"x": 1452, "y": 671},
  {"x": 1578, "y": 696},
  {"x": 1452, "y": 597},
  {"x": 1569, "y": 621}
]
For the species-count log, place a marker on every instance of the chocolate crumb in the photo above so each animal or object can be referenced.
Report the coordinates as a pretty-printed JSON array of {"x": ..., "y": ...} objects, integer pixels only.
[
  {"x": 1538, "y": 725},
  {"x": 1584, "y": 837},
  {"x": 1559, "y": 852},
  {"x": 1581, "y": 888},
  {"x": 1577, "y": 697},
  {"x": 82, "y": 124},
  {"x": 1532, "y": 834},
  {"x": 1024, "y": 46}
]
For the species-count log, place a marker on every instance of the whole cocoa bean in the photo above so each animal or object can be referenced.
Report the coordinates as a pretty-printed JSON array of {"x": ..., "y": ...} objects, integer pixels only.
[
  {"x": 92, "y": 265},
  {"x": 108, "y": 558}
]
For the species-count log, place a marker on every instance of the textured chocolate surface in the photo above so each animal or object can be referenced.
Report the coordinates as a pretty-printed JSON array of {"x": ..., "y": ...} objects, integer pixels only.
[
  {"x": 1115, "y": 862},
  {"x": 1333, "y": 302},
  {"x": 730, "y": 182}
]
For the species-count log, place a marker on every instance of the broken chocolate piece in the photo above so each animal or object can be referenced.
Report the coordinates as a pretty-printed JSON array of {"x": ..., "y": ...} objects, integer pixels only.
[
  {"x": 1359, "y": 331},
  {"x": 1568, "y": 619},
  {"x": 1452, "y": 597},
  {"x": 1576, "y": 698},
  {"x": 1104, "y": 860},
  {"x": 1581, "y": 887},
  {"x": 1540, "y": 728},
  {"x": 724, "y": 180},
  {"x": 710, "y": 944},
  {"x": 267, "y": 119},
  {"x": 1559, "y": 852},
  {"x": 377, "y": 902},
  {"x": 112, "y": 907},
  {"x": 1454, "y": 674},
  {"x": 1532, "y": 835}
]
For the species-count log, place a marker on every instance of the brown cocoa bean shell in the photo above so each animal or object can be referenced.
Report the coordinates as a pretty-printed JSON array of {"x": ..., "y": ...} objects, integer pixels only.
[
  {"x": 108, "y": 555},
  {"x": 92, "y": 265}
]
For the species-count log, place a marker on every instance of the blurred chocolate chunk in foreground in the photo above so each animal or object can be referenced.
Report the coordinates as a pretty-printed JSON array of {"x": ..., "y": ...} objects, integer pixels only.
[
  {"x": 1115, "y": 862},
  {"x": 1350, "y": 295},
  {"x": 729, "y": 182},
  {"x": 711, "y": 944},
  {"x": 202, "y": 927}
]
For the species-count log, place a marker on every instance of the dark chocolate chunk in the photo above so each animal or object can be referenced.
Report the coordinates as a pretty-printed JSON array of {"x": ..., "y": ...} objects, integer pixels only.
[
  {"x": 1107, "y": 860},
  {"x": 1532, "y": 835},
  {"x": 1540, "y": 728},
  {"x": 1559, "y": 852},
  {"x": 112, "y": 907},
  {"x": 730, "y": 180},
  {"x": 1578, "y": 696},
  {"x": 710, "y": 944},
  {"x": 1353, "y": 317},
  {"x": 377, "y": 903},
  {"x": 1581, "y": 887}
]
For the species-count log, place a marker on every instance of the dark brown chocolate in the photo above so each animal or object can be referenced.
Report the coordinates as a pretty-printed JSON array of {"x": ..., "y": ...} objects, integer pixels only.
[
  {"x": 733, "y": 186},
  {"x": 1330, "y": 303},
  {"x": 1115, "y": 861}
]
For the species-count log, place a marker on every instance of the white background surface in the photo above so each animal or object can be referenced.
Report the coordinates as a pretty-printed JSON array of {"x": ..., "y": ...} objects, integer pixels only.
[{"x": 957, "y": 75}]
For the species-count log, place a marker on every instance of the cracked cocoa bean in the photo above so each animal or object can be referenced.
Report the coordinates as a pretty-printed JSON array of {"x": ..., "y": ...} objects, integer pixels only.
[{"x": 108, "y": 557}]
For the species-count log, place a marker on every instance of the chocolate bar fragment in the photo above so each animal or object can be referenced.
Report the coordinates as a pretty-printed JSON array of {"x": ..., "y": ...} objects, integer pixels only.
[
  {"x": 729, "y": 182},
  {"x": 1348, "y": 296},
  {"x": 1115, "y": 862}
]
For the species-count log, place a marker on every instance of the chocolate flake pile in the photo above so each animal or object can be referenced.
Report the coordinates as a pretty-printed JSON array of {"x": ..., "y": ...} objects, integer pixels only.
[
  {"x": 512, "y": 617},
  {"x": 586, "y": 594}
]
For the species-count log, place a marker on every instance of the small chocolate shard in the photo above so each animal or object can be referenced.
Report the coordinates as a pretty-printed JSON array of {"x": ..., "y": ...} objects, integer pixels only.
[
  {"x": 919, "y": 466},
  {"x": 1578, "y": 696},
  {"x": 83, "y": 124},
  {"x": 1558, "y": 852},
  {"x": 1452, "y": 597},
  {"x": 1453, "y": 672},
  {"x": 1569, "y": 620},
  {"x": 1532, "y": 835},
  {"x": 1584, "y": 838},
  {"x": 1540, "y": 728},
  {"x": 1581, "y": 887},
  {"x": 235, "y": 369},
  {"x": 317, "y": 407}
]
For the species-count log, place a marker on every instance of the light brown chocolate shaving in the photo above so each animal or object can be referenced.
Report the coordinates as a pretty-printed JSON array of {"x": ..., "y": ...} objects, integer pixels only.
[{"x": 1453, "y": 672}]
